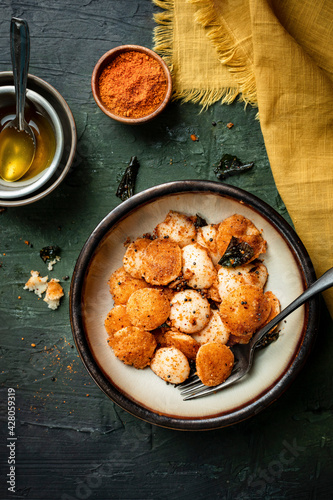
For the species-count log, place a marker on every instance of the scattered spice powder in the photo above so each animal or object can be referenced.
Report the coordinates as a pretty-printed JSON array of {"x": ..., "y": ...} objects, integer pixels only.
[{"x": 132, "y": 85}]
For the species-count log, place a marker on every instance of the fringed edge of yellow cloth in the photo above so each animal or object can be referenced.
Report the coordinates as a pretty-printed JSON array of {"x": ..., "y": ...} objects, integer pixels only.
[
  {"x": 163, "y": 41},
  {"x": 163, "y": 32},
  {"x": 207, "y": 97},
  {"x": 229, "y": 53}
]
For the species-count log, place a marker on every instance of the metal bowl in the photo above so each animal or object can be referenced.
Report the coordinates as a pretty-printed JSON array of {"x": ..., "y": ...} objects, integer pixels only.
[
  {"x": 141, "y": 392},
  {"x": 45, "y": 97},
  {"x": 22, "y": 187}
]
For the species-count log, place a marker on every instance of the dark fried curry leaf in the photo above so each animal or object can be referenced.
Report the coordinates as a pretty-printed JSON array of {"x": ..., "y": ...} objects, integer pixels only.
[
  {"x": 199, "y": 221},
  {"x": 268, "y": 339},
  {"x": 49, "y": 253},
  {"x": 230, "y": 165},
  {"x": 237, "y": 253},
  {"x": 126, "y": 186}
]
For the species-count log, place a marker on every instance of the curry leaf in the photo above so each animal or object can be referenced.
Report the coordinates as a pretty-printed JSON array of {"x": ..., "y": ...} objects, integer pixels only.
[
  {"x": 237, "y": 253},
  {"x": 199, "y": 221},
  {"x": 230, "y": 165},
  {"x": 49, "y": 253},
  {"x": 268, "y": 339},
  {"x": 126, "y": 186}
]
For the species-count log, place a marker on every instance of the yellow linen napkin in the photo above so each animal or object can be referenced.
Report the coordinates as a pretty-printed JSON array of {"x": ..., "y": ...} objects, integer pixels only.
[
  {"x": 278, "y": 54},
  {"x": 196, "y": 71}
]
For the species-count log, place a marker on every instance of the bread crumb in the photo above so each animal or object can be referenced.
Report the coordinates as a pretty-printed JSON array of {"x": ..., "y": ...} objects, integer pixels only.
[
  {"x": 53, "y": 294},
  {"x": 36, "y": 283},
  {"x": 53, "y": 290},
  {"x": 53, "y": 262}
]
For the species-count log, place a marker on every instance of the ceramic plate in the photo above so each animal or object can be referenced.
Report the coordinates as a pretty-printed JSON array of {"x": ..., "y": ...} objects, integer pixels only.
[{"x": 141, "y": 392}]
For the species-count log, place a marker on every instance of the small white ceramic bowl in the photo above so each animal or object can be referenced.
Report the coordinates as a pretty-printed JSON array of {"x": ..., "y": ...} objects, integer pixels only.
[{"x": 20, "y": 188}]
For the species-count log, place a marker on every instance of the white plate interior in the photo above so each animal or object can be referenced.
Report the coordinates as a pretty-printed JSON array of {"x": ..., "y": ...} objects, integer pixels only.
[{"x": 143, "y": 386}]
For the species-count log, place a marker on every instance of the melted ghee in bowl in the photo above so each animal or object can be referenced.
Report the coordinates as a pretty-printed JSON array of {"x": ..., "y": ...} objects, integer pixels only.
[
  {"x": 17, "y": 151},
  {"x": 44, "y": 134}
]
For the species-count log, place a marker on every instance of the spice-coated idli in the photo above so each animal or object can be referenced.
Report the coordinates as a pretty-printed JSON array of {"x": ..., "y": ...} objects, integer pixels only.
[
  {"x": 190, "y": 312},
  {"x": 244, "y": 230},
  {"x": 148, "y": 308},
  {"x": 275, "y": 307},
  {"x": 122, "y": 285},
  {"x": 116, "y": 319},
  {"x": 206, "y": 237},
  {"x": 161, "y": 262},
  {"x": 178, "y": 227},
  {"x": 215, "y": 331},
  {"x": 132, "y": 260},
  {"x": 214, "y": 363},
  {"x": 249, "y": 274},
  {"x": 244, "y": 310},
  {"x": 171, "y": 365},
  {"x": 185, "y": 343},
  {"x": 134, "y": 346},
  {"x": 198, "y": 268}
]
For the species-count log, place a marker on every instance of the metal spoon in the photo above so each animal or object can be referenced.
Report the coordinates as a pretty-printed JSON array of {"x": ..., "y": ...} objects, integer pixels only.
[{"x": 17, "y": 140}]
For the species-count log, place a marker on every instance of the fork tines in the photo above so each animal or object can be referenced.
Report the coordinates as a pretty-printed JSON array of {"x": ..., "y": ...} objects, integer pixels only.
[
  {"x": 191, "y": 388},
  {"x": 194, "y": 388}
]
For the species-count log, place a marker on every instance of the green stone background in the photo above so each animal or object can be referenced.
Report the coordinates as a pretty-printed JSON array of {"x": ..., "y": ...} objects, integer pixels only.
[{"x": 73, "y": 442}]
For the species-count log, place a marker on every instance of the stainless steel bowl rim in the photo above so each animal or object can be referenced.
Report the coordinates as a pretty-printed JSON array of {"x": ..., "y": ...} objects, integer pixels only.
[
  {"x": 22, "y": 188},
  {"x": 70, "y": 137}
]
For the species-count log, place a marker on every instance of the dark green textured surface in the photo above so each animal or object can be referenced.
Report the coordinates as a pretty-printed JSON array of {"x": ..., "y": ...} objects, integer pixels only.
[{"x": 72, "y": 442}]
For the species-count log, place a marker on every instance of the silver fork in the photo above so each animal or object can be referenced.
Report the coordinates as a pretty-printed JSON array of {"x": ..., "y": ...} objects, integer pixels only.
[{"x": 193, "y": 388}]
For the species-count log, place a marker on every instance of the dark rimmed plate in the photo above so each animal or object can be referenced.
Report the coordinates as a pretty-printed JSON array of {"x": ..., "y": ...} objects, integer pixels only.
[{"x": 141, "y": 392}]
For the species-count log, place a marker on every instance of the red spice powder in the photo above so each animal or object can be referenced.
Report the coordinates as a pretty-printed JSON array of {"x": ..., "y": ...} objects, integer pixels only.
[{"x": 132, "y": 85}]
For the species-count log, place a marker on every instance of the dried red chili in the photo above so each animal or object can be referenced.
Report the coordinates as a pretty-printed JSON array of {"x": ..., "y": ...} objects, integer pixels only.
[{"x": 132, "y": 85}]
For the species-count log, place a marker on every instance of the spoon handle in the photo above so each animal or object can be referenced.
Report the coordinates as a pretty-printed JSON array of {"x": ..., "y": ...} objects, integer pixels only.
[{"x": 20, "y": 53}]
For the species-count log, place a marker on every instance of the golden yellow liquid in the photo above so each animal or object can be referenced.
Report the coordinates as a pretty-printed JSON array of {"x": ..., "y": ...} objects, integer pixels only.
[
  {"x": 44, "y": 134},
  {"x": 16, "y": 153}
]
